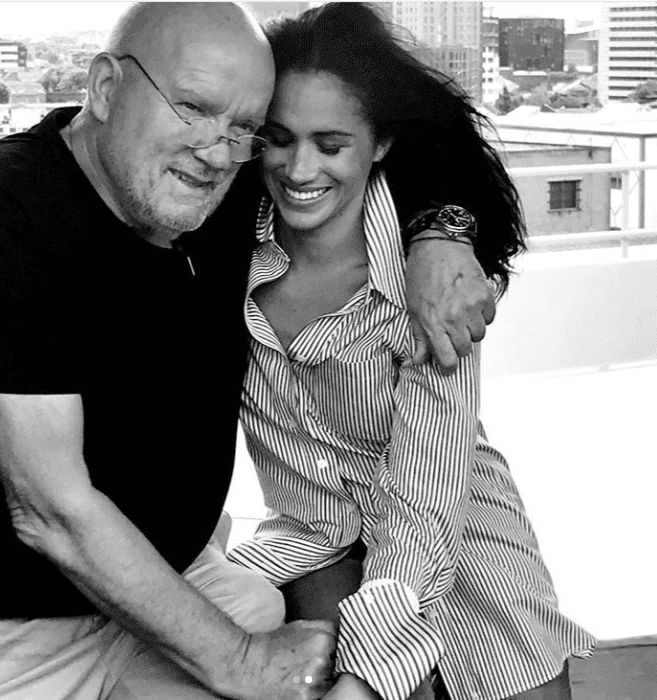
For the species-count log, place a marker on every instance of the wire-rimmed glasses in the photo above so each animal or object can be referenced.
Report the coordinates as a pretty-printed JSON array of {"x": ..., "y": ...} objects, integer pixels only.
[{"x": 201, "y": 132}]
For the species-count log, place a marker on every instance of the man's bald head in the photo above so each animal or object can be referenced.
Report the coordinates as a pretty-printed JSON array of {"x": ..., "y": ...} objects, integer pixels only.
[
  {"x": 168, "y": 69},
  {"x": 164, "y": 27}
]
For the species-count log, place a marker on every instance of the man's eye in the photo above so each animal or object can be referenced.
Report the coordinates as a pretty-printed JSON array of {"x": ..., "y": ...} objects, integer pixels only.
[
  {"x": 276, "y": 139},
  {"x": 190, "y": 108},
  {"x": 244, "y": 128}
]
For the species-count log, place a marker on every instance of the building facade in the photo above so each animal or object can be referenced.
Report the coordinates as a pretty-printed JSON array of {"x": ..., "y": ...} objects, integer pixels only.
[
  {"x": 452, "y": 30},
  {"x": 628, "y": 47},
  {"x": 13, "y": 54},
  {"x": 561, "y": 203},
  {"x": 581, "y": 48},
  {"x": 491, "y": 85},
  {"x": 532, "y": 43}
]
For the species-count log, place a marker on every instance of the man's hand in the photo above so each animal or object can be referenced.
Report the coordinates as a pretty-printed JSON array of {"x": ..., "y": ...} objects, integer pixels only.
[
  {"x": 349, "y": 687},
  {"x": 294, "y": 662},
  {"x": 450, "y": 301}
]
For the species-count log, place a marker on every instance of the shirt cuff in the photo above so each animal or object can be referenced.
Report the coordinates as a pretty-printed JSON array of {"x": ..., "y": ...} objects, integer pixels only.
[{"x": 385, "y": 640}]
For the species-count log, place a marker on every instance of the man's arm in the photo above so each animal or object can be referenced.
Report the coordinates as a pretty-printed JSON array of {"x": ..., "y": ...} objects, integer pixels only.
[
  {"x": 57, "y": 512},
  {"x": 449, "y": 298},
  {"x": 450, "y": 301}
]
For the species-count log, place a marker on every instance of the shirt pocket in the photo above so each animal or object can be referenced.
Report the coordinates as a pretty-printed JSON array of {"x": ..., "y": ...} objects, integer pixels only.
[{"x": 354, "y": 393}]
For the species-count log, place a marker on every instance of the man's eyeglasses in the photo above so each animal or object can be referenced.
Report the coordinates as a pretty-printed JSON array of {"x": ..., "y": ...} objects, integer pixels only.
[{"x": 201, "y": 132}]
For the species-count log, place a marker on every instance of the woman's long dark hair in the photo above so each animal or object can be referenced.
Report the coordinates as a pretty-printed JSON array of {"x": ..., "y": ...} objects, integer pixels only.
[{"x": 438, "y": 154}]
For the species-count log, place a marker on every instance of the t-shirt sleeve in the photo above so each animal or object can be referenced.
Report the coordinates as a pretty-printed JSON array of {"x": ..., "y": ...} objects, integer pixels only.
[{"x": 39, "y": 339}]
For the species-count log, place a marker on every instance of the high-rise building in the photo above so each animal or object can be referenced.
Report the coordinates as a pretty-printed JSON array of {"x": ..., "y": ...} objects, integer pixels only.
[
  {"x": 490, "y": 58},
  {"x": 13, "y": 54},
  {"x": 531, "y": 43},
  {"x": 628, "y": 47},
  {"x": 451, "y": 30},
  {"x": 581, "y": 47}
]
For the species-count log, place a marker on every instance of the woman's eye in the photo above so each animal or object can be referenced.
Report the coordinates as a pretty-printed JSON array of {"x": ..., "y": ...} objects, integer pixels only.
[{"x": 330, "y": 150}]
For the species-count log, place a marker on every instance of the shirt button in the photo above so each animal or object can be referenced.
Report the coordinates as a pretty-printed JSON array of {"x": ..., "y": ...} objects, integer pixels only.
[{"x": 322, "y": 464}]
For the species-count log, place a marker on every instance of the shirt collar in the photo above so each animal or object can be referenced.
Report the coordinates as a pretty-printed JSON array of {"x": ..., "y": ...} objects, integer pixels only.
[{"x": 384, "y": 248}]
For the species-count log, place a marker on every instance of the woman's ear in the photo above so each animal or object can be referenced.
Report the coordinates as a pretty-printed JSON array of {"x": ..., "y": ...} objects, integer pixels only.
[
  {"x": 105, "y": 76},
  {"x": 382, "y": 149}
]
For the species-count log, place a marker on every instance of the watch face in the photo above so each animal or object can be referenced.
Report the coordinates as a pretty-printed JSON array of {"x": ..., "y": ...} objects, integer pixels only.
[{"x": 455, "y": 217}]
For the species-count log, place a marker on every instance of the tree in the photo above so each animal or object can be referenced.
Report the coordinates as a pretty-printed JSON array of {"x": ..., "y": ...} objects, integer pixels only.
[
  {"x": 506, "y": 102},
  {"x": 539, "y": 96},
  {"x": 4, "y": 94},
  {"x": 73, "y": 80},
  {"x": 644, "y": 92},
  {"x": 51, "y": 79}
]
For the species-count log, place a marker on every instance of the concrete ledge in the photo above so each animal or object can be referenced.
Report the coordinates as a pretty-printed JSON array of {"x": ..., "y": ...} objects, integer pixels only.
[{"x": 622, "y": 669}]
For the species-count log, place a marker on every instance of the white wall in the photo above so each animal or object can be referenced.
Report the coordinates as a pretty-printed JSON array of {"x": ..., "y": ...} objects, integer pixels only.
[{"x": 568, "y": 396}]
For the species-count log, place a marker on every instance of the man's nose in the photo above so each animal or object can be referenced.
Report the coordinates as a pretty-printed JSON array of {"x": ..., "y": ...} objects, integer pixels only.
[{"x": 216, "y": 156}]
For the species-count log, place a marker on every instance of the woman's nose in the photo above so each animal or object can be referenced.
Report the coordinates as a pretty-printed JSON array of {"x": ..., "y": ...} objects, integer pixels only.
[{"x": 302, "y": 165}]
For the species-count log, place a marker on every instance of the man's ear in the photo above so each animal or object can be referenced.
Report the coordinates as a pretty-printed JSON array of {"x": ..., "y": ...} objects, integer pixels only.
[
  {"x": 382, "y": 149},
  {"x": 105, "y": 76}
]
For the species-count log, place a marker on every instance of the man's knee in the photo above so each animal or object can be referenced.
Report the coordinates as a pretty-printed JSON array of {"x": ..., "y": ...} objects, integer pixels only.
[
  {"x": 245, "y": 596},
  {"x": 259, "y": 607}
]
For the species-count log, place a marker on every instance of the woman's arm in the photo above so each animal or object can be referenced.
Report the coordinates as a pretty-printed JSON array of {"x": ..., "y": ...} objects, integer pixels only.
[{"x": 422, "y": 484}]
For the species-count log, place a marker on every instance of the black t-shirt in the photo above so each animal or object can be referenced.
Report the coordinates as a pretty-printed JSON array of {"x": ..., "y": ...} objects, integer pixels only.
[{"x": 88, "y": 307}]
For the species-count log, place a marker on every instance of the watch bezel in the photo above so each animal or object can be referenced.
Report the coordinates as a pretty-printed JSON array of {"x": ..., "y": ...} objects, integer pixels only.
[{"x": 468, "y": 228}]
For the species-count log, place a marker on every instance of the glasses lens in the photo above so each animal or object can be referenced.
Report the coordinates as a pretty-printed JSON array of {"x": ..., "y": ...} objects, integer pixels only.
[
  {"x": 247, "y": 148},
  {"x": 202, "y": 133}
]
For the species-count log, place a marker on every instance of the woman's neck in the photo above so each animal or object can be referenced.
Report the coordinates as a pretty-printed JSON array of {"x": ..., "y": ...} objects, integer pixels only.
[{"x": 335, "y": 244}]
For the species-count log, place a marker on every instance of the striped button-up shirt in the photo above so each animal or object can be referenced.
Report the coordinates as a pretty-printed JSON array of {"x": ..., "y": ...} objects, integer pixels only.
[{"x": 351, "y": 440}]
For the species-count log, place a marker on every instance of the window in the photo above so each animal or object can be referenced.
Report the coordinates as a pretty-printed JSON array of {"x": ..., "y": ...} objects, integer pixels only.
[
  {"x": 564, "y": 194},
  {"x": 617, "y": 181}
]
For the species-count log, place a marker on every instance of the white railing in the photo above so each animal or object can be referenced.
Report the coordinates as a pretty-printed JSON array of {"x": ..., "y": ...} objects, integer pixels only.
[{"x": 624, "y": 236}]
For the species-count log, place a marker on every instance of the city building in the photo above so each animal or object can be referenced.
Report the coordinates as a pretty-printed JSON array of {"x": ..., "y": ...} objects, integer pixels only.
[
  {"x": 532, "y": 43},
  {"x": 561, "y": 203},
  {"x": 491, "y": 85},
  {"x": 453, "y": 33},
  {"x": 13, "y": 54},
  {"x": 25, "y": 92},
  {"x": 627, "y": 128},
  {"x": 581, "y": 48},
  {"x": 628, "y": 47}
]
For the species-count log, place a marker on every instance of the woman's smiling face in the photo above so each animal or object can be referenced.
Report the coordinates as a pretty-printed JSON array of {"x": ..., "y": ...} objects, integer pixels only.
[{"x": 321, "y": 151}]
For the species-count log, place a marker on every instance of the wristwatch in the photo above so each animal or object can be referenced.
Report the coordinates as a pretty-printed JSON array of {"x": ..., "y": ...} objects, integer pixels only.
[{"x": 450, "y": 219}]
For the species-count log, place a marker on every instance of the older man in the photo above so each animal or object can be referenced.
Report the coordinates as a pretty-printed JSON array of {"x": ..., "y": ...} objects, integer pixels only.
[{"x": 121, "y": 357}]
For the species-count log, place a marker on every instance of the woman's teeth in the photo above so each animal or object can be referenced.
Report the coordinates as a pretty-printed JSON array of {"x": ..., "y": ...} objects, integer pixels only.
[{"x": 305, "y": 196}]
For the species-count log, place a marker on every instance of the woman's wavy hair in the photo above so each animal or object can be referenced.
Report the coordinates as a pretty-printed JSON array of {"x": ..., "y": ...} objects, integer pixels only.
[{"x": 439, "y": 154}]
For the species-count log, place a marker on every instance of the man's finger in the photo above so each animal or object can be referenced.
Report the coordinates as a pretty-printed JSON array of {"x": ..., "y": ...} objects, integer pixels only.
[
  {"x": 460, "y": 339},
  {"x": 477, "y": 328},
  {"x": 421, "y": 354},
  {"x": 325, "y": 625},
  {"x": 444, "y": 353},
  {"x": 490, "y": 307}
]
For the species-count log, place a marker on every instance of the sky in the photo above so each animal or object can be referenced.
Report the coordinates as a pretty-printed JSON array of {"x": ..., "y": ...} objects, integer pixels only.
[{"x": 36, "y": 17}]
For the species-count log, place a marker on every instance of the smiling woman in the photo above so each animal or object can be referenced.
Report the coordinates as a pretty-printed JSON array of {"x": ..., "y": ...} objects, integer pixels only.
[
  {"x": 390, "y": 511},
  {"x": 320, "y": 154}
]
